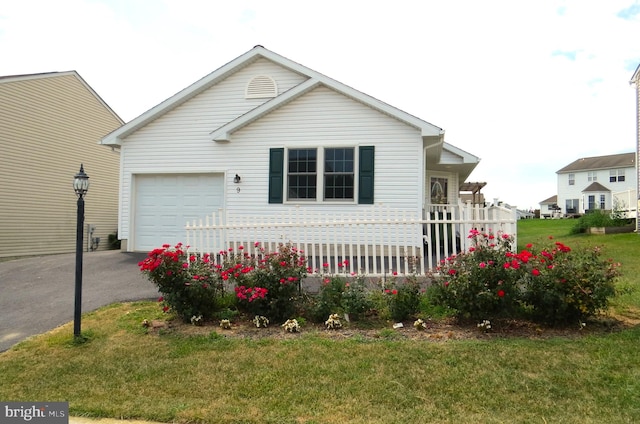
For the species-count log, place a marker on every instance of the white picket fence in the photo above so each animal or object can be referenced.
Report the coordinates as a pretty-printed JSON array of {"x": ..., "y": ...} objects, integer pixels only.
[{"x": 377, "y": 241}]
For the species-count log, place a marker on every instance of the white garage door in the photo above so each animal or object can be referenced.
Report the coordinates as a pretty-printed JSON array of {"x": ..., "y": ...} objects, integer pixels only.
[{"x": 164, "y": 203}]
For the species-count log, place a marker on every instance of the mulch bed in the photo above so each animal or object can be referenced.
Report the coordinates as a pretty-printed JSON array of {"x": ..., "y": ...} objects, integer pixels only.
[{"x": 436, "y": 331}]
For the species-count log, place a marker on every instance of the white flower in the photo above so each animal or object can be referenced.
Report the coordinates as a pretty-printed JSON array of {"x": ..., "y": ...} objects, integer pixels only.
[
  {"x": 291, "y": 326},
  {"x": 261, "y": 321},
  {"x": 419, "y": 324},
  {"x": 485, "y": 325},
  {"x": 333, "y": 322}
]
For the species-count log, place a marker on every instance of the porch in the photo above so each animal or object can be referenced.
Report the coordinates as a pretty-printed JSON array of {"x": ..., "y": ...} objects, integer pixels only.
[{"x": 377, "y": 241}]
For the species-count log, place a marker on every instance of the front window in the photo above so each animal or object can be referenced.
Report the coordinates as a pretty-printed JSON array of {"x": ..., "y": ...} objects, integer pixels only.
[
  {"x": 328, "y": 172},
  {"x": 592, "y": 202},
  {"x": 439, "y": 187},
  {"x": 602, "y": 201},
  {"x": 572, "y": 179},
  {"x": 338, "y": 174},
  {"x": 592, "y": 176},
  {"x": 302, "y": 174}
]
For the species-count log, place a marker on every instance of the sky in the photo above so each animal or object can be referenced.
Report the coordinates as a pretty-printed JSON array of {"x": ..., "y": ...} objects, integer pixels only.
[{"x": 528, "y": 86}]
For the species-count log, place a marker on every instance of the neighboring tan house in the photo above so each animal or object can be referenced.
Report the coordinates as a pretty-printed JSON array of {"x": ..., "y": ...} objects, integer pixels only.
[
  {"x": 50, "y": 124},
  {"x": 263, "y": 135},
  {"x": 601, "y": 182},
  {"x": 635, "y": 80}
]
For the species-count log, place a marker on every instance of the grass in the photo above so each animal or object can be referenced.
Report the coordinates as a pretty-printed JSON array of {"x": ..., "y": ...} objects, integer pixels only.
[{"x": 121, "y": 371}]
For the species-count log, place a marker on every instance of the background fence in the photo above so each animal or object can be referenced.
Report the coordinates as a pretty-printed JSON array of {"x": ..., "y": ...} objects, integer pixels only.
[{"x": 376, "y": 241}]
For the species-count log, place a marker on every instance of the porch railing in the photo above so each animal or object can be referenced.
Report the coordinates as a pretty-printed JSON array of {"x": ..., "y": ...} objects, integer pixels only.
[
  {"x": 377, "y": 241},
  {"x": 625, "y": 203}
]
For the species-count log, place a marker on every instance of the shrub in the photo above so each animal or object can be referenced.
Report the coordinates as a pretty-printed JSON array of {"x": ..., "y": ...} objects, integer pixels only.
[
  {"x": 598, "y": 218},
  {"x": 266, "y": 284},
  {"x": 355, "y": 299},
  {"x": 554, "y": 284},
  {"x": 476, "y": 284},
  {"x": 430, "y": 307},
  {"x": 403, "y": 301},
  {"x": 339, "y": 295},
  {"x": 113, "y": 242},
  {"x": 563, "y": 285},
  {"x": 281, "y": 274},
  {"x": 189, "y": 283},
  {"x": 329, "y": 298}
]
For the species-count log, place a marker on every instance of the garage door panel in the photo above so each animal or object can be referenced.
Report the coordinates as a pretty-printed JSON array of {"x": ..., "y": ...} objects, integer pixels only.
[
  {"x": 164, "y": 203},
  {"x": 167, "y": 200},
  {"x": 193, "y": 201}
]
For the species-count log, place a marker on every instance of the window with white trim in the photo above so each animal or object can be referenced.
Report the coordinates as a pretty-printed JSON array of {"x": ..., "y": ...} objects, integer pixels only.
[
  {"x": 602, "y": 201},
  {"x": 302, "y": 166},
  {"x": 338, "y": 174},
  {"x": 572, "y": 179},
  {"x": 616, "y": 175},
  {"x": 592, "y": 176},
  {"x": 326, "y": 174},
  {"x": 572, "y": 205}
]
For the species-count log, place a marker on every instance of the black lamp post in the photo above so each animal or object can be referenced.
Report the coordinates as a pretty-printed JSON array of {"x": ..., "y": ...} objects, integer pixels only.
[{"x": 81, "y": 186}]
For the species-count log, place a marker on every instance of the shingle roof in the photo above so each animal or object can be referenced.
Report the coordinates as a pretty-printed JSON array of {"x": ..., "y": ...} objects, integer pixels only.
[
  {"x": 550, "y": 200},
  {"x": 622, "y": 160},
  {"x": 595, "y": 187}
]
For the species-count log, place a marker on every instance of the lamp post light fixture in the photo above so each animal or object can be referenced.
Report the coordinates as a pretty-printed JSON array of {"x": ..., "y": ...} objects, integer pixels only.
[{"x": 81, "y": 186}]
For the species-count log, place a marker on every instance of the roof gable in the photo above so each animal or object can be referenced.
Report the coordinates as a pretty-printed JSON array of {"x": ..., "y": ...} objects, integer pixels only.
[
  {"x": 26, "y": 77},
  {"x": 550, "y": 201},
  {"x": 595, "y": 186},
  {"x": 635, "y": 79},
  {"x": 430, "y": 133},
  {"x": 622, "y": 160}
]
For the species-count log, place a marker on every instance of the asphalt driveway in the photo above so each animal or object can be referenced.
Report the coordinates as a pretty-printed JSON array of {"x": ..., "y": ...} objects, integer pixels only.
[{"x": 37, "y": 293}]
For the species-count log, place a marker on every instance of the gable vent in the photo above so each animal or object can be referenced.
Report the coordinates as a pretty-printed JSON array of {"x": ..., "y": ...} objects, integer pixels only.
[{"x": 261, "y": 87}]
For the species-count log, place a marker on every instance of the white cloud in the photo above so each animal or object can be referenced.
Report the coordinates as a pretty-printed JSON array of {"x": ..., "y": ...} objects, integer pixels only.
[{"x": 527, "y": 86}]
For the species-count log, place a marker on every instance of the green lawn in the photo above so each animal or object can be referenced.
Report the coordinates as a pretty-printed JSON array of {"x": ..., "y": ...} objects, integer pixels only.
[
  {"x": 623, "y": 248},
  {"x": 121, "y": 371}
]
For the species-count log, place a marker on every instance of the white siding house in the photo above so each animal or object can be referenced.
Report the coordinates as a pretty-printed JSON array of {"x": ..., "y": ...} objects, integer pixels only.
[
  {"x": 549, "y": 208},
  {"x": 262, "y": 135},
  {"x": 601, "y": 182}
]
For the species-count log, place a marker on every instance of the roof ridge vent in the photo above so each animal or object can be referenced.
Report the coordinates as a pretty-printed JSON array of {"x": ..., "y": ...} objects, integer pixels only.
[{"x": 260, "y": 87}]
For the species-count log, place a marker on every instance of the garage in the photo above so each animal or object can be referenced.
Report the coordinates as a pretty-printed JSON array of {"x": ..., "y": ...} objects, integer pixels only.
[{"x": 165, "y": 202}]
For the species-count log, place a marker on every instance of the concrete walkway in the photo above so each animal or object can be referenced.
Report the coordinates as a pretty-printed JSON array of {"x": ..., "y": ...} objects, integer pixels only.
[{"x": 37, "y": 294}]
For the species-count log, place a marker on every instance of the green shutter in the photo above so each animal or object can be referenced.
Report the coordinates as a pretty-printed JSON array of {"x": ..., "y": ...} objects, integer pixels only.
[
  {"x": 276, "y": 175},
  {"x": 365, "y": 180}
]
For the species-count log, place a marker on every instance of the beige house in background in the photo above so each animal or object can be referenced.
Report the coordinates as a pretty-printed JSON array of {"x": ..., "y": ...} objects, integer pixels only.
[{"x": 49, "y": 124}]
